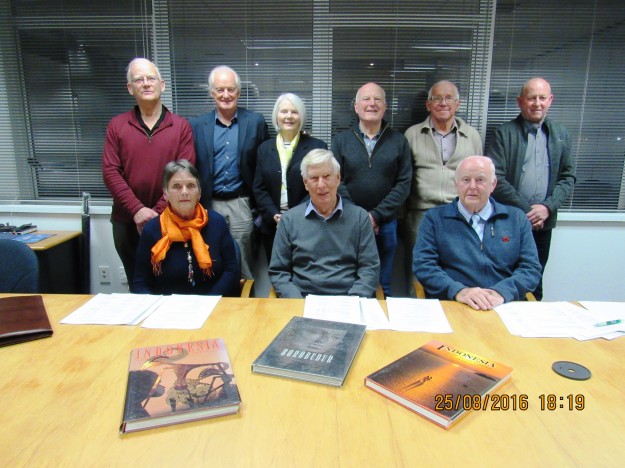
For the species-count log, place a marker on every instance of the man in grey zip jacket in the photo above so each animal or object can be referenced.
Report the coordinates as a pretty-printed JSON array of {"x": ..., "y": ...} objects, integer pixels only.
[{"x": 376, "y": 171}]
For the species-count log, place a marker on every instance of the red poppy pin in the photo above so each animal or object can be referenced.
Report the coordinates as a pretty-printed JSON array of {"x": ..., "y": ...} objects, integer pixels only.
[{"x": 505, "y": 239}]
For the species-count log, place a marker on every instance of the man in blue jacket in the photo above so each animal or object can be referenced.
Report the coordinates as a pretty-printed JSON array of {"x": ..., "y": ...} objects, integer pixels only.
[
  {"x": 475, "y": 250},
  {"x": 534, "y": 164},
  {"x": 226, "y": 140}
]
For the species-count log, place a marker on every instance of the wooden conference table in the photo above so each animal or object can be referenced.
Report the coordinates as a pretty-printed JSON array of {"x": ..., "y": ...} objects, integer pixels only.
[{"x": 63, "y": 399}]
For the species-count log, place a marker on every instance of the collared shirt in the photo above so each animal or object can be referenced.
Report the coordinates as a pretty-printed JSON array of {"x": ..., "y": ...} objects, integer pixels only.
[
  {"x": 369, "y": 142},
  {"x": 338, "y": 209},
  {"x": 477, "y": 220},
  {"x": 446, "y": 144},
  {"x": 150, "y": 131},
  {"x": 227, "y": 178},
  {"x": 535, "y": 175}
]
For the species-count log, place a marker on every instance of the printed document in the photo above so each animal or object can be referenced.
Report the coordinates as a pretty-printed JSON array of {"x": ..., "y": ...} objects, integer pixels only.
[{"x": 427, "y": 315}]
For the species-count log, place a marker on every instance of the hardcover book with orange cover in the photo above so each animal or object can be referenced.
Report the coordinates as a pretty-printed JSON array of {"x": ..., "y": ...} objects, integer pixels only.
[
  {"x": 438, "y": 381},
  {"x": 175, "y": 383}
]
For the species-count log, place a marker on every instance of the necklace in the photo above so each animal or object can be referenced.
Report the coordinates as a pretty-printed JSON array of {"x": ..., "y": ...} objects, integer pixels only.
[{"x": 189, "y": 259}]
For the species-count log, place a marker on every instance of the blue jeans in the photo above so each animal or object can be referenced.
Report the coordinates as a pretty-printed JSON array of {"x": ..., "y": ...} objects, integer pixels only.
[{"x": 386, "y": 241}]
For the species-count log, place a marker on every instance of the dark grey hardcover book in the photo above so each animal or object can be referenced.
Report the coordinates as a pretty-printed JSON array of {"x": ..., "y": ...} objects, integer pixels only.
[{"x": 313, "y": 350}]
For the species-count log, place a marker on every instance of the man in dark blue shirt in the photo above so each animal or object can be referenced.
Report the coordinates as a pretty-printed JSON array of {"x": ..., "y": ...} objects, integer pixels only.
[{"x": 226, "y": 140}]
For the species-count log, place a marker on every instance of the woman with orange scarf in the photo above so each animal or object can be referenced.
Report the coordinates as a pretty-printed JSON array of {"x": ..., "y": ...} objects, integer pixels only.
[{"x": 186, "y": 249}]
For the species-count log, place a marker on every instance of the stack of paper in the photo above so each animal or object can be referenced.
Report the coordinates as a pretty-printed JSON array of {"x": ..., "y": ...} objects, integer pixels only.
[
  {"x": 405, "y": 314},
  {"x": 172, "y": 312},
  {"x": 114, "y": 309},
  {"x": 557, "y": 319},
  {"x": 346, "y": 309},
  {"x": 425, "y": 315},
  {"x": 610, "y": 316},
  {"x": 182, "y": 312}
]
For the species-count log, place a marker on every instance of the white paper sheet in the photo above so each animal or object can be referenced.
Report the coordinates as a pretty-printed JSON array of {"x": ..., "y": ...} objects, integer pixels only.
[
  {"x": 373, "y": 314},
  {"x": 427, "y": 315},
  {"x": 113, "y": 309},
  {"x": 556, "y": 320},
  {"x": 347, "y": 309},
  {"x": 182, "y": 312},
  {"x": 334, "y": 308},
  {"x": 606, "y": 312}
]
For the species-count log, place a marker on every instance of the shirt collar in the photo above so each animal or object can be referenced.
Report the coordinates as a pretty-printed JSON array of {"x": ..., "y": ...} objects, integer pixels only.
[
  {"x": 485, "y": 213},
  {"x": 362, "y": 135},
  {"x": 454, "y": 127},
  {"x": 339, "y": 209},
  {"x": 235, "y": 119},
  {"x": 530, "y": 126}
]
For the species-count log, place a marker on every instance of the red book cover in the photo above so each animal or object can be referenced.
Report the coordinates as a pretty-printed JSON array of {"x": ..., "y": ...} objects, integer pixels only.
[
  {"x": 175, "y": 383},
  {"x": 439, "y": 382}
]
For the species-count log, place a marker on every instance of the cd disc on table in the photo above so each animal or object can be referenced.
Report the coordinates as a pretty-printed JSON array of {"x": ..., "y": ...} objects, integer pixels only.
[{"x": 571, "y": 370}]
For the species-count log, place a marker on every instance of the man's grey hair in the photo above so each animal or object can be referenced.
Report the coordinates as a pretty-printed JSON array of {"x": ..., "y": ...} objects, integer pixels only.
[
  {"x": 140, "y": 59},
  {"x": 222, "y": 68},
  {"x": 457, "y": 95},
  {"x": 318, "y": 157}
]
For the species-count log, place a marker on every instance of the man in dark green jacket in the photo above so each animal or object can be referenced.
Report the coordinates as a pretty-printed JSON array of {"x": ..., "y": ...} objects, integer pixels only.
[{"x": 535, "y": 170}]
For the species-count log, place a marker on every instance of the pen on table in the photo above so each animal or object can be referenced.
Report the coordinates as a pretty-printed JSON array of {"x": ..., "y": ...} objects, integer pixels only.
[{"x": 609, "y": 322}]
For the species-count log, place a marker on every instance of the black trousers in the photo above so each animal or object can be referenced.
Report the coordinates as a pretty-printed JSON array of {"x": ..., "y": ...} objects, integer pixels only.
[
  {"x": 543, "y": 244},
  {"x": 126, "y": 240}
]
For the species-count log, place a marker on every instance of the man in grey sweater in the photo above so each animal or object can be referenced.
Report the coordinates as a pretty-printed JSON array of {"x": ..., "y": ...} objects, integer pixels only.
[{"x": 324, "y": 246}]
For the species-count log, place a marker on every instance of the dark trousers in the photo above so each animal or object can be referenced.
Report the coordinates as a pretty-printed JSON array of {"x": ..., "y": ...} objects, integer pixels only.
[
  {"x": 543, "y": 244},
  {"x": 126, "y": 240},
  {"x": 267, "y": 240}
]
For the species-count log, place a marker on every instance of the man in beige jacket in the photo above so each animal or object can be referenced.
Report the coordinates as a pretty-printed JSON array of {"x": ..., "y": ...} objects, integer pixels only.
[{"x": 438, "y": 145}]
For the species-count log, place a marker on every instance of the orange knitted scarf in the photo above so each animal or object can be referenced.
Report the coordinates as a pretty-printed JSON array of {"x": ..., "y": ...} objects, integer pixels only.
[{"x": 176, "y": 229}]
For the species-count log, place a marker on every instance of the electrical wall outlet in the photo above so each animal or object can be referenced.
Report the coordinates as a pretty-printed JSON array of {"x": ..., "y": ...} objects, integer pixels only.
[
  {"x": 122, "y": 276},
  {"x": 105, "y": 274}
]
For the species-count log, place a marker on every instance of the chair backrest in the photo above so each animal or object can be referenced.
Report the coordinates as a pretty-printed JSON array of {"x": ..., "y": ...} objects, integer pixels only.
[
  {"x": 418, "y": 289},
  {"x": 19, "y": 268}
]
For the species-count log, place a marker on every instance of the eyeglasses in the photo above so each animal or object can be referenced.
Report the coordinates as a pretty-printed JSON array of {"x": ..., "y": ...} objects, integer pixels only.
[
  {"x": 440, "y": 99},
  {"x": 142, "y": 79}
]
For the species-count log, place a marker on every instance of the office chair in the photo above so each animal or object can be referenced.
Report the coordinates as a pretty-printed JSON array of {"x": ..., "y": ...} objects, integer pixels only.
[
  {"x": 19, "y": 268},
  {"x": 418, "y": 289},
  {"x": 245, "y": 285}
]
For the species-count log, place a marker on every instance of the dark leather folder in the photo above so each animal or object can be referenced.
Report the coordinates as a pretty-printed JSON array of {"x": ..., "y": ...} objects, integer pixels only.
[{"x": 23, "y": 318}]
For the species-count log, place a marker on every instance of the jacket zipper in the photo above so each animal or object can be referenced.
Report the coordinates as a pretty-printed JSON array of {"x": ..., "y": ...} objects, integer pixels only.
[{"x": 363, "y": 144}]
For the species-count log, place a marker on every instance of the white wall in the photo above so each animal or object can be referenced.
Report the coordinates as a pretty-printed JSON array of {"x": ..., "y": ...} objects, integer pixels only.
[{"x": 587, "y": 259}]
